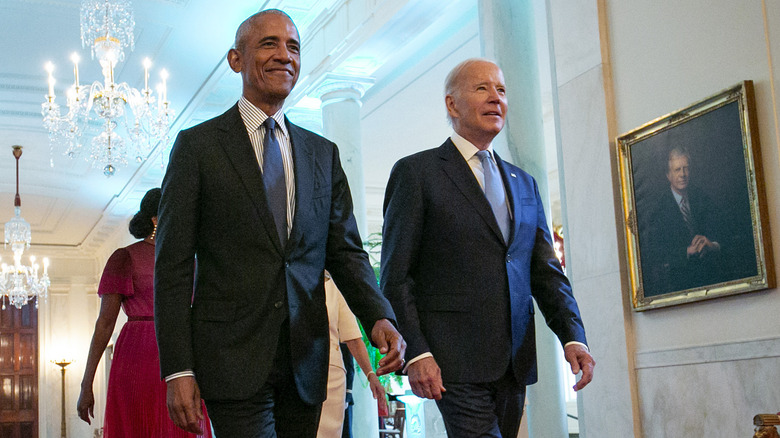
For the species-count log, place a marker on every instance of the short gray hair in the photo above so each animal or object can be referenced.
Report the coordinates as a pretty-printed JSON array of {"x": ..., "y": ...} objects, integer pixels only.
[{"x": 246, "y": 26}]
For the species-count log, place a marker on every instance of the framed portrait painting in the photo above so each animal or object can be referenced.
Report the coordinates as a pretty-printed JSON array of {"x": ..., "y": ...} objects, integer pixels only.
[{"x": 693, "y": 203}]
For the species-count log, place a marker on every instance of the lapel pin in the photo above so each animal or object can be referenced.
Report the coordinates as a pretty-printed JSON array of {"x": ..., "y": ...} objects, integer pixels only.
[{"x": 513, "y": 175}]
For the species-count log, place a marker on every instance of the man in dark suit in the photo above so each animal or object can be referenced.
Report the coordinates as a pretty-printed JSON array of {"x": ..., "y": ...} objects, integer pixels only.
[
  {"x": 679, "y": 234},
  {"x": 253, "y": 210},
  {"x": 465, "y": 248}
]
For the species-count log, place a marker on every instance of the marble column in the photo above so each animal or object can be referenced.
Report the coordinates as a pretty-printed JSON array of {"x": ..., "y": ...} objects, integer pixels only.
[
  {"x": 508, "y": 36},
  {"x": 341, "y": 124},
  {"x": 340, "y": 97}
]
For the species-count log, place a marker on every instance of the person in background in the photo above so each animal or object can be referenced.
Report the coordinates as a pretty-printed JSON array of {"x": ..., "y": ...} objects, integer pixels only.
[
  {"x": 679, "y": 233},
  {"x": 465, "y": 253},
  {"x": 135, "y": 405},
  {"x": 343, "y": 328},
  {"x": 349, "y": 402}
]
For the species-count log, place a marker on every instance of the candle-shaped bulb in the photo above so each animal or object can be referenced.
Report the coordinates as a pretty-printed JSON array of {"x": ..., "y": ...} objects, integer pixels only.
[
  {"x": 75, "y": 58},
  {"x": 147, "y": 65},
  {"x": 50, "y": 69},
  {"x": 45, "y": 265},
  {"x": 164, "y": 76}
]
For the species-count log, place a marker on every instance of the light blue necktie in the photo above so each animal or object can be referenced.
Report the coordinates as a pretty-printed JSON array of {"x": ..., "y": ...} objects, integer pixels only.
[
  {"x": 495, "y": 193},
  {"x": 273, "y": 179}
]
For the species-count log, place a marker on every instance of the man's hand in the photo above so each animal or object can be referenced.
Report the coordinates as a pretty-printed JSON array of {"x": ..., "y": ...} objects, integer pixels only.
[
  {"x": 700, "y": 245},
  {"x": 184, "y": 406},
  {"x": 580, "y": 360},
  {"x": 391, "y": 344},
  {"x": 425, "y": 378}
]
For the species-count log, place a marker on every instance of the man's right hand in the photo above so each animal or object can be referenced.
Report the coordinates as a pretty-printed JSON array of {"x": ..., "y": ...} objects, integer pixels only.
[
  {"x": 184, "y": 405},
  {"x": 425, "y": 378},
  {"x": 700, "y": 245}
]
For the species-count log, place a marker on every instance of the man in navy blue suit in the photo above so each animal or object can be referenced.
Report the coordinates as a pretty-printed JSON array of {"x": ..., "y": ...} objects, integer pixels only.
[
  {"x": 465, "y": 249},
  {"x": 264, "y": 207}
]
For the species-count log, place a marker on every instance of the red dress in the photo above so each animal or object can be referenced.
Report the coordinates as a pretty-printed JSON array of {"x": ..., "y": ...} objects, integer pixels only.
[{"x": 135, "y": 405}]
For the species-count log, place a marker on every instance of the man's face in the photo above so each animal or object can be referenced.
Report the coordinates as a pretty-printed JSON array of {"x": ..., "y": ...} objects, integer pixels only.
[
  {"x": 478, "y": 104},
  {"x": 269, "y": 61},
  {"x": 678, "y": 173}
]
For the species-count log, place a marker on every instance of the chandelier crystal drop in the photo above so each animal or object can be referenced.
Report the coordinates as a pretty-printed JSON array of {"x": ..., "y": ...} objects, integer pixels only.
[
  {"x": 20, "y": 283},
  {"x": 130, "y": 122}
]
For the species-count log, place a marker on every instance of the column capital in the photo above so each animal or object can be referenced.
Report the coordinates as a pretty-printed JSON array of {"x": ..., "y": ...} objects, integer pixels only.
[{"x": 333, "y": 86}]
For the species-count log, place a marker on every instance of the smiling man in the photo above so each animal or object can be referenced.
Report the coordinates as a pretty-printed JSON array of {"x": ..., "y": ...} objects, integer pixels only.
[
  {"x": 465, "y": 251},
  {"x": 254, "y": 209}
]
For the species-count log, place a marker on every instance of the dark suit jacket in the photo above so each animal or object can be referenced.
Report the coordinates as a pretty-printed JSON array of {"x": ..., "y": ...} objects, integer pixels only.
[
  {"x": 664, "y": 240},
  {"x": 457, "y": 289},
  {"x": 214, "y": 208}
]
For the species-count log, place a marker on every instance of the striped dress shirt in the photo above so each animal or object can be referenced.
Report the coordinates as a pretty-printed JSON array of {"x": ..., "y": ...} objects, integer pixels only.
[{"x": 253, "y": 118}]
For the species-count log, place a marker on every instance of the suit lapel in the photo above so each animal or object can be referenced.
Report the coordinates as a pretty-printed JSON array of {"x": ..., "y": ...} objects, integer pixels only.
[
  {"x": 303, "y": 161},
  {"x": 512, "y": 193},
  {"x": 235, "y": 142},
  {"x": 461, "y": 175}
]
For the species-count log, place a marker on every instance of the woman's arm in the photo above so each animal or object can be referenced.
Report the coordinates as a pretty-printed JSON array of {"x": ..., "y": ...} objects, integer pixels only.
[
  {"x": 358, "y": 350},
  {"x": 104, "y": 327}
]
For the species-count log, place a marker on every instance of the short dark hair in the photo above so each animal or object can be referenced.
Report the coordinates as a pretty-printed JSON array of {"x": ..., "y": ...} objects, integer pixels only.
[
  {"x": 141, "y": 225},
  {"x": 243, "y": 28}
]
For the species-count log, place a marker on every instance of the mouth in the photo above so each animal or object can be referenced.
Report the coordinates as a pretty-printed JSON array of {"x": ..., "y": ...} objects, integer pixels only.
[{"x": 280, "y": 71}]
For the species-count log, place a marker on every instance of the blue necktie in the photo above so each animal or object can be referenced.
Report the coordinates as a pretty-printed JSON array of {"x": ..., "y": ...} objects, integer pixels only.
[
  {"x": 494, "y": 192},
  {"x": 273, "y": 179}
]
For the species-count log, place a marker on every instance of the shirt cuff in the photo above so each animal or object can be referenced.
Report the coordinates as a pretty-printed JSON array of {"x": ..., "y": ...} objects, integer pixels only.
[
  {"x": 185, "y": 373},
  {"x": 422, "y": 356},
  {"x": 577, "y": 343}
]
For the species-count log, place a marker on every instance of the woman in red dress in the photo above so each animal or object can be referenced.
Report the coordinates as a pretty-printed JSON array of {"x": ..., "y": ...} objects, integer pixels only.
[{"x": 135, "y": 404}]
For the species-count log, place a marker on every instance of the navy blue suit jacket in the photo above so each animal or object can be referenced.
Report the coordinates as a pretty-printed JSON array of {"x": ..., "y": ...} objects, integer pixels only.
[
  {"x": 457, "y": 289},
  {"x": 214, "y": 208}
]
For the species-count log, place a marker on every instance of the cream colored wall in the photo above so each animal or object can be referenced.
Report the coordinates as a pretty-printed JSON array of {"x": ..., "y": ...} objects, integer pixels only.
[
  {"x": 700, "y": 369},
  {"x": 407, "y": 114}
]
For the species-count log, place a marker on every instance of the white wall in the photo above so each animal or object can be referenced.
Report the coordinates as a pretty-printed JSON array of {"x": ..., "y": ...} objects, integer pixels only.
[
  {"x": 703, "y": 366},
  {"x": 407, "y": 114},
  {"x": 699, "y": 369}
]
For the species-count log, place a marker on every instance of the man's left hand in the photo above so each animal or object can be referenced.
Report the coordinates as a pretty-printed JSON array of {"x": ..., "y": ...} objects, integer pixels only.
[
  {"x": 580, "y": 360},
  {"x": 391, "y": 344}
]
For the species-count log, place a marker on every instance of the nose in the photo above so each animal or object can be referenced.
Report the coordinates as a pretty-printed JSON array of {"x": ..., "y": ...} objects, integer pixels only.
[
  {"x": 283, "y": 54},
  {"x": 495, "y": 96}
]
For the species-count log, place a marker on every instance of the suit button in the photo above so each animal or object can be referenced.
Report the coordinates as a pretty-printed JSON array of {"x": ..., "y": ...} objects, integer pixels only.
[
  {"x": 286, "y": 264},
  {"x": 278, "y": 304},
  {"x": 509, "y": 258}
]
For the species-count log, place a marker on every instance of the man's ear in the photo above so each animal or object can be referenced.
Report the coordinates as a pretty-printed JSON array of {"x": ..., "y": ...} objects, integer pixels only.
[
  {"x": 450, "y": 103},
  {"x": 234, "y": 60}
]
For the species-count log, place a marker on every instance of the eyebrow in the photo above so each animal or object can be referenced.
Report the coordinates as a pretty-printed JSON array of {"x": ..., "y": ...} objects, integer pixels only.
[
  {"x": 276, "y": 38},
  {"x": 499, "y": 84}
]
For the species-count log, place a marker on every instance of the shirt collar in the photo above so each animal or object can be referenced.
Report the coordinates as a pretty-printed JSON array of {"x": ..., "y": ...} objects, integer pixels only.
[
  {"x": 253, "y": 116},
  {"x": 465, "y": 147},
  {"x": 677, "y": 197}
]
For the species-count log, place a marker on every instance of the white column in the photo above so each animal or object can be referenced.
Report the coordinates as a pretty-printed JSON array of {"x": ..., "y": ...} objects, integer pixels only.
[
  {"x": 508, "y": 36},
  {"x": 341, "y": 124},
  {"x": 341, "y": 104}
]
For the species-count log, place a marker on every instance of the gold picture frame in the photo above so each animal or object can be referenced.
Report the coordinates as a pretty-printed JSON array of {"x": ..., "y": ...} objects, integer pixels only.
[{"x": 694, "y": 208}]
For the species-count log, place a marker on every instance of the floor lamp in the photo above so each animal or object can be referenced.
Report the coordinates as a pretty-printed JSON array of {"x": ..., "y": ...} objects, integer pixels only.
[{"x": 63, "y": 363}]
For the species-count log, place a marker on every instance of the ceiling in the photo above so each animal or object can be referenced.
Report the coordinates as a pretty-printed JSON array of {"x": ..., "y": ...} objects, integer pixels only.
[{"x": 72, "y": 206}]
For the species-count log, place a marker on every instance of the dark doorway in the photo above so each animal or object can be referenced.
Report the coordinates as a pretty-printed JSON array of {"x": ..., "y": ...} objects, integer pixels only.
[{"x": 19, "y": 372}]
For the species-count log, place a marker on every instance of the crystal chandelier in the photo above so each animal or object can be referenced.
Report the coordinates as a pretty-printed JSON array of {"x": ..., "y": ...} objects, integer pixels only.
[
  {"x": 106, "y": 27},
  {"x": 20, "y": 283}
]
